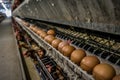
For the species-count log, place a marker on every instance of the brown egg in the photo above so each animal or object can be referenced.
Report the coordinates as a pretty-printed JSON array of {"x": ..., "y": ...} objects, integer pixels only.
[
  {"x": 103, "y": 71},
  {"x": 61, "y": 45},
  {"x": 36, "y": 29},
  {"x": 117, "y": 77},
  {"x": 49, "y": 38},
  {"x": 25, "y": 23},
  {"x": 77, "y": 55},
  {"x": 88, "y": 63},
  {"x": 32, "y": 27},
  {"x": 43, "y": 34},
  {"x": 56, "y": 42},
  {"x": 51, "y": 32},
  {"x": 39, "y": 31},
  {"x": 67, "y": 50}
]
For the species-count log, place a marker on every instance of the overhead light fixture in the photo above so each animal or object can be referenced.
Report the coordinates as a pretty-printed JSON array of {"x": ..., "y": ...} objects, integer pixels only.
[
  {"x": 7, "y": 11},
  {"x": 1, "y": 1},
  {"x": 4, "y": 6}
]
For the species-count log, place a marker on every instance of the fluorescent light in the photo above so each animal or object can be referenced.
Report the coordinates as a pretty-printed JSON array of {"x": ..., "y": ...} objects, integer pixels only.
[
  {"x": 7, "y": 11},
  {"x": 4, "y": 6},
  {"x": 1, "y": 1}
]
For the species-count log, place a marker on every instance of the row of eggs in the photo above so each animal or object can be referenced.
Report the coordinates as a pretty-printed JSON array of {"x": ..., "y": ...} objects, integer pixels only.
[{"x": 91, "y": 64}]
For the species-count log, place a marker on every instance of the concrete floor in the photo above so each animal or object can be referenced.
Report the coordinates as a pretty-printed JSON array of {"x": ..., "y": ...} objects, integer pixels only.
[{"x": 9, "y": 62}]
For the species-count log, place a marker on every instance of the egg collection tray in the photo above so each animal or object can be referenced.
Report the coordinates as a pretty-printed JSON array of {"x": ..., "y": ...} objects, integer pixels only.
[
  {"x": 105, "y": 47},
  {"x": 74, "y": 72}
]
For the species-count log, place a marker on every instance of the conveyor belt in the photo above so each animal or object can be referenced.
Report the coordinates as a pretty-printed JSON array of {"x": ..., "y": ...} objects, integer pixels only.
[{"x": 10, "y": 63}]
